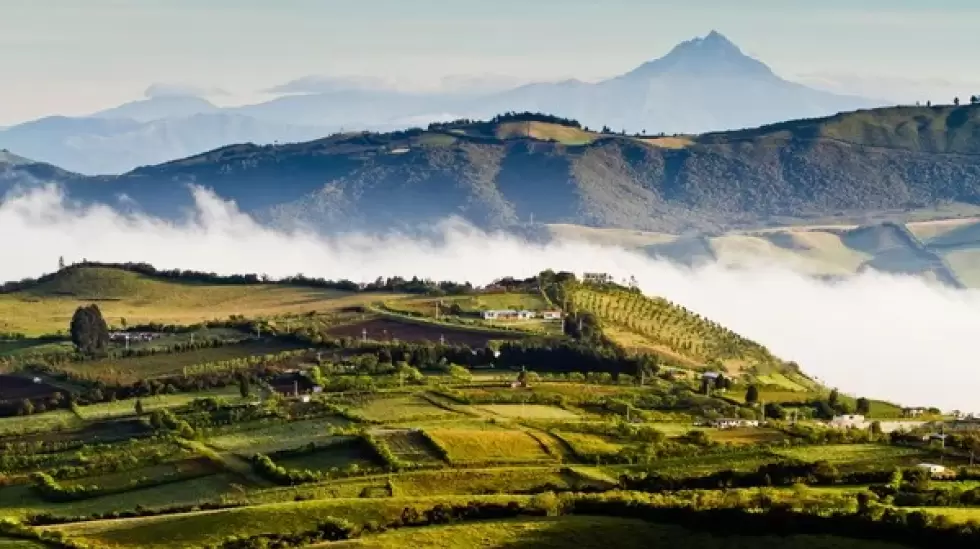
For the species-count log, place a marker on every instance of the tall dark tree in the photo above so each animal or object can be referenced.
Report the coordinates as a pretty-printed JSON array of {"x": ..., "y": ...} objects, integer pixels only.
[
  {"x": 752, "y": 395},
  {"x": 956, "y": 101},
  {"x": 833, "y": 398},
  {"x": 863, "y": 406},
  {"x": 89, "y": 331},
  {"x": 244, "y": 387},
  {"x": 139, "y": 407}
]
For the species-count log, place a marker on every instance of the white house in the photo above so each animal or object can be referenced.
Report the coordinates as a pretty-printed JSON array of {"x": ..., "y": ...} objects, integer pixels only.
[
  {"x": 551, "y": 315},
  {"x": 932, "y": 468},
  {"x": 849, "y": 420},
  {"x": 525, "y": 315},
  {"x": 498, "y": 314},
  {"x": 731, "y": 423}
]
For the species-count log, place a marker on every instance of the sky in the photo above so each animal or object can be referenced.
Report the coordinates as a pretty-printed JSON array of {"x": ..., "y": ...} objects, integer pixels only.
[{"x": 72, "y": 57}]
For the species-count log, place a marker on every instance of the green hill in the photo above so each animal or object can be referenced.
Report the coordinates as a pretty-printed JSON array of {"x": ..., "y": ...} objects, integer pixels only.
[{"x": 47, "y": 306}]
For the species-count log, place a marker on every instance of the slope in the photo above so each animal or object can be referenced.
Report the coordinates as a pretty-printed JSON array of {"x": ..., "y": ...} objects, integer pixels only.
[
  {"x": 522, "y": 167},
  {"x": 47, "y": 306},
  {"x": 653, "y": 324}
]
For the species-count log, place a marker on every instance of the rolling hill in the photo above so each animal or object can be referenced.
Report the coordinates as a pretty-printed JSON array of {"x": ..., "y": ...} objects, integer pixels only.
[
  {"x": 47, "y": 306},
  {"x": 524, "y": 168}
]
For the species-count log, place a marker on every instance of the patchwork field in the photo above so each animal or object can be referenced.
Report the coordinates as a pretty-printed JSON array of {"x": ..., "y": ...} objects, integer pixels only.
[
  {"x": 383, "y": 329},
  {"x": 269, "y": 436},
  {"x": 488, "y": 446},
  {"x": 439, "y": 460},
  {"x": 404, "y": 408},
  {"x": 529, "y": 411},
  {"x": 129, "y": 370}
]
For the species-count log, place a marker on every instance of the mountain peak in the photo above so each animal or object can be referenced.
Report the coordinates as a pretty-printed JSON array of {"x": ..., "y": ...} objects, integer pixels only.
[{"x": 713, "y": 54}]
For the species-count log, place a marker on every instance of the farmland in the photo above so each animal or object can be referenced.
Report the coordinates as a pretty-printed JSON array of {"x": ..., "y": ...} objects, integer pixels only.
[
  {"x": 283, "y": 425},
  {"x": 385, "y": 329}
]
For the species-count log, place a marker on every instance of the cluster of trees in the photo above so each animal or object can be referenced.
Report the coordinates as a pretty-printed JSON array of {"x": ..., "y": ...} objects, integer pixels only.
[{"x": 511, "y": 116}]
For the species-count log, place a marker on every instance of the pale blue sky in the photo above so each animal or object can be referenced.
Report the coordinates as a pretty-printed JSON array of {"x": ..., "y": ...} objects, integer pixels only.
[{"x": 77, "y": 56}]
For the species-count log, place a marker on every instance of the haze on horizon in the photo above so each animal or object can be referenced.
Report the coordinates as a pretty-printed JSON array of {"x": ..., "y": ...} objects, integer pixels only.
[
  {"x": 100, "y": 53},
  {"x": 892, "y": 337}
]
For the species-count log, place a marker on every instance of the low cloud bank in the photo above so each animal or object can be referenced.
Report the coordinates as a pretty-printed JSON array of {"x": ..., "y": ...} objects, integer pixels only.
[{"x": 883, "y": 336}]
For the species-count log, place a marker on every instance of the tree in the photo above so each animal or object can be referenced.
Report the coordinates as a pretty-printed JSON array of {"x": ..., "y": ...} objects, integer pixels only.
[
  {"x": 61, "y": 263},
  {"x": 139, "y": 407},
  {"x": 974, "y": 99},
  {"x": 459, "y": 373},
  {"x": 26, "y": 407},
  {"x": 244, "y": 387},
  {"x": 774, "y": 411},
  {"x": 833, "y": 398},
  {"x": 89, "y": 331},
  {"x": 863, "y": 406},
  {"x": 752, "y": 395},
  {"x": 956, "y": 101}
]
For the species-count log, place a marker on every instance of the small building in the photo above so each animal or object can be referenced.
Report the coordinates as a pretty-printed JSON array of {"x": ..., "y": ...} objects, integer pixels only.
[
  {"x": 934, "y": 470},
  {"x": 848, "y": 420},
  {"x": 500, "y": 314},
  {"x": 732, "y": 423},
  {"x": 597, "y": 278},
  {"x": 525, "y": 315},
  {"x": 551, "y": 315}
]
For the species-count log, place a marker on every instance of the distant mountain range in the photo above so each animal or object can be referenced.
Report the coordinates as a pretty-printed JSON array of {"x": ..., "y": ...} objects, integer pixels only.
[
  {"x": 525, "y": 168},
  {"x": 701, "y": 85}
]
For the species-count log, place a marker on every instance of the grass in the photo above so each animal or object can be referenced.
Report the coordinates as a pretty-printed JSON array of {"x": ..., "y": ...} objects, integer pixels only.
[
  {"x": 206, "y": 528},
  {"x": 585, "y": 444},
  {"x": 528, "y": 411},
  {"x": 479, "y": 481},
  {"x": 139, "y": 299},
  {"x": 20, "y": 500},
  {"x": 856, "y": 455},
  {"x": 124, "y": 478},
  {"x": 402, "y": 409},
  {"x": 339, "y": 455},
  {"x": 121, "y": 408},
  {"x": 10, "y": 543},
  {"x": 566, "y": 135},
  {"x": 488, "y": 446},
  {"x": 129, "y": 370},
  {"x": 269, "y": 436},
  {"x": 57, "y": 420},
  {"x": 585, "y": 532},
  {"x": 411, "y": 446}
]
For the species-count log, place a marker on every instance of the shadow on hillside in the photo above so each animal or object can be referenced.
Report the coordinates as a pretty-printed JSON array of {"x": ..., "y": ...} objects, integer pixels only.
[{"x": 609, "y": 532}]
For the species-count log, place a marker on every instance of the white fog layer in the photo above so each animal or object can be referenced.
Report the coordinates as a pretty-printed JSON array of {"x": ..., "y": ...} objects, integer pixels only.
[{"x": 874, "y": 335}]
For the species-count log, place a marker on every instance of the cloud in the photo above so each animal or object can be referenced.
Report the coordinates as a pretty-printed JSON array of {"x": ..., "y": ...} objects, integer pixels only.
[
  {"x": 876, "y": 335},
  {"x": 893, "y": 88},
  {"x": 327, "y": 84},
  {"x": 454, "y": 83},
  {"x": 181, "y": 90}
]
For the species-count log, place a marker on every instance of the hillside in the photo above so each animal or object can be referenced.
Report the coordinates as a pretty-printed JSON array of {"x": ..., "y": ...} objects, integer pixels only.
[
  {"x": 946, "y": 251},
  {"x": 523, "y": 168},
  {"x": 640, "y": 323},
  {"x": 134, "y": 298}
]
